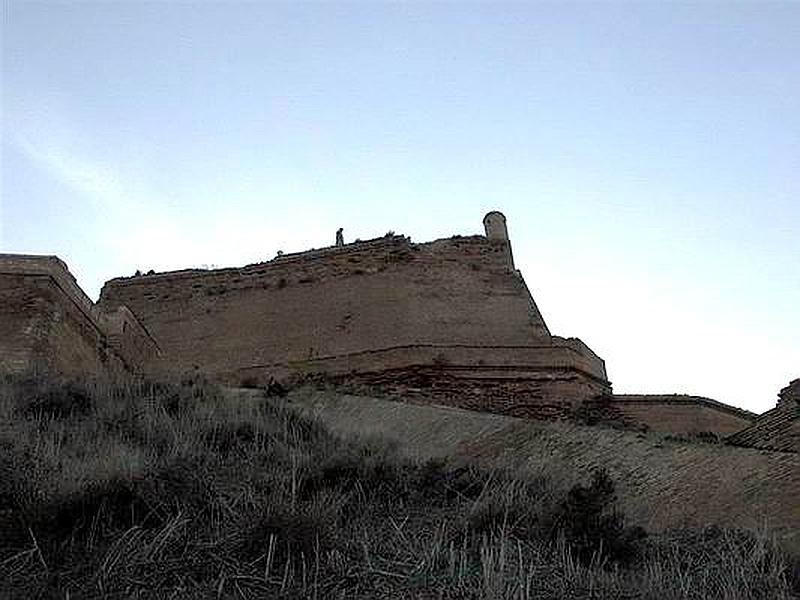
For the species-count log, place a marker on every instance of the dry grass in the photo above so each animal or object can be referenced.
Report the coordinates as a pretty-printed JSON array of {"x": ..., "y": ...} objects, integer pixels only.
[{"x": 141, "y": 490}]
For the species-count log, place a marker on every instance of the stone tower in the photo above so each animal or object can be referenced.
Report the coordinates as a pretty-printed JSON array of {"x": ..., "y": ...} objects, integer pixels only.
[{"x": 495, "y": 225}]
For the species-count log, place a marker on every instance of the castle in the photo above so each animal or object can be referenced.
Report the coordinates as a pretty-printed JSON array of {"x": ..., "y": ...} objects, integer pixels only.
[{"x": 450, "y": 321}]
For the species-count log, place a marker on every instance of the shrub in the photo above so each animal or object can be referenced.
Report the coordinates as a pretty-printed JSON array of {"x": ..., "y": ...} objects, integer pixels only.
[
  {"x": 60, "y": 401},
  {"x": 592, "y": 526},
  {"x": 85, "y": 515},
  {"x": 297, "y": 535}
]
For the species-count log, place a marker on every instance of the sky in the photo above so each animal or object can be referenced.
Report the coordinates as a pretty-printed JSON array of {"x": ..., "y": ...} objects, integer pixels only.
[{"x": 646, "y": 155}]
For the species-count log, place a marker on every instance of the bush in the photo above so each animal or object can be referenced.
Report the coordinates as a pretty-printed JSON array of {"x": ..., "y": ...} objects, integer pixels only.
[
  {"x": 592, "y": 526},
  {"x": 59, "y": 401},
  {"x": 297, "y": 536},
  {"x": 114, "y": 502}
]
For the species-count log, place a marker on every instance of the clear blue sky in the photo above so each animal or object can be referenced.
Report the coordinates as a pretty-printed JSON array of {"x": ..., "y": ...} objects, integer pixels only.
[{"x": 647, "y": 155}]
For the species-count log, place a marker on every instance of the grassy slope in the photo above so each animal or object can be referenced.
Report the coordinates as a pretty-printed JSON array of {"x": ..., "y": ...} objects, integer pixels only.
[
  {"x": 145, "y": 491},
  {"x": 662, "y": 482}
]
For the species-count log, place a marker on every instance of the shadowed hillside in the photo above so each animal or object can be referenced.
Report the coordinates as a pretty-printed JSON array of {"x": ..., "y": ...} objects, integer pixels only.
[
  {"x": 152, "y": 490},
  {"x": 663, "y": 481}
]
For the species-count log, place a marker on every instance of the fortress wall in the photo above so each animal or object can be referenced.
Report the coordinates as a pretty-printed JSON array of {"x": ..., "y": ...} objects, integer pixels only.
[
  {"x": 129, "y": 339},
  {"x": 681, "y": 414},
  {"x": 582, "y": 349},
  {"x": 776, "y": 429},
  {"x": 21, "y": 328},
  {"x": 76, "y": 345},
  {"x": 382, "y": 293},
  {"x": 541, "y": 382},
  {"x": 45, "y": 326},
  {"x": 487, "y": 362},
  {"x": 52, "y": 266},
  {"x": 552, "y": 393},
  {"x": 47, "y": 323}
]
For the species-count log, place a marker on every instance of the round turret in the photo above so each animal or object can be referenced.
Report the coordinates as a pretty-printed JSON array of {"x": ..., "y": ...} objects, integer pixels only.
[{"x": 495, "y": 224}]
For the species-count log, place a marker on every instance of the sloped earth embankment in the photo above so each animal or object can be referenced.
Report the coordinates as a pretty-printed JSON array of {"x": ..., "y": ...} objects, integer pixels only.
[{"x": 662, "y": 483}]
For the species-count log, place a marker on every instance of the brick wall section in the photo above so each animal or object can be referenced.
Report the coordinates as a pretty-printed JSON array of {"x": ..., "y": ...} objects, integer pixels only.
[
  {"x": 129, "y": 339},
  {"x": 55, "y": 268},
  {"x": 48, "y": 324},
  {"x": 677, "y": 413},
  {"x": 540, "y": 394},
  {"x": 777, "y": 429},
  {"x": 379, "y": 295},
  {"x": 474, "y": 362},
  {"x": 22, "y": 328},
  {"x": 44, "y": 330}
]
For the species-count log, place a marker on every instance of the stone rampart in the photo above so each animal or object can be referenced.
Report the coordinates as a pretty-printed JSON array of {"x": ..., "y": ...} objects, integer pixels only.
[
  {"x": 48, "y": 324},
  {"x": 790, "y": 395},
  {"x": 680, "y": 413},
  {"x": 129, "y": 339},
  {"x": 777, "y": 429},
  {"x": 494, "y": 361},
  {"x": 534, "y": 381},
  {"x": 337, "y": 305},
  {"x": 451, "y": 320},
  {"x": 56, "y": 269},
  {"x": 452, "y": 310}
]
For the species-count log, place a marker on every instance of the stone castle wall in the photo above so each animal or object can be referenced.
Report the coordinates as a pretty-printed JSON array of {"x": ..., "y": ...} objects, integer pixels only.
[
  {"x": 128, "y": 339},
  {"x": 48, "y": 324},
  {"x": 777, "y": 429},
  {"x": 451, "y": 320},
  {"x": 375, "y": 305},
  {"x": 680, "y": 413}
]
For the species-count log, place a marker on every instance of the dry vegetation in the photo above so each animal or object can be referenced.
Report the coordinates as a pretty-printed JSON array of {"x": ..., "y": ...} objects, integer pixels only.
[{"x": 146, "y": 490}]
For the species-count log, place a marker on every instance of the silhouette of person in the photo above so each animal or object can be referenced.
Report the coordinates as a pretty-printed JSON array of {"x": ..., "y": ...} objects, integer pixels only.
[{"x": 339, "y": 237}]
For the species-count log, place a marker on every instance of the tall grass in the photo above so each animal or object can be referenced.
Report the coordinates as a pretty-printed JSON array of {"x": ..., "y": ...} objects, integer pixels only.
[{"x": 136, "y": 489}]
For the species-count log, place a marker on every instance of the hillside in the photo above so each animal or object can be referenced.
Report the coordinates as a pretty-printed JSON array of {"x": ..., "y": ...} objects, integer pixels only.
[
  {"x": 663, "y": 481},
  {"x": 139, "y": 489}
]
